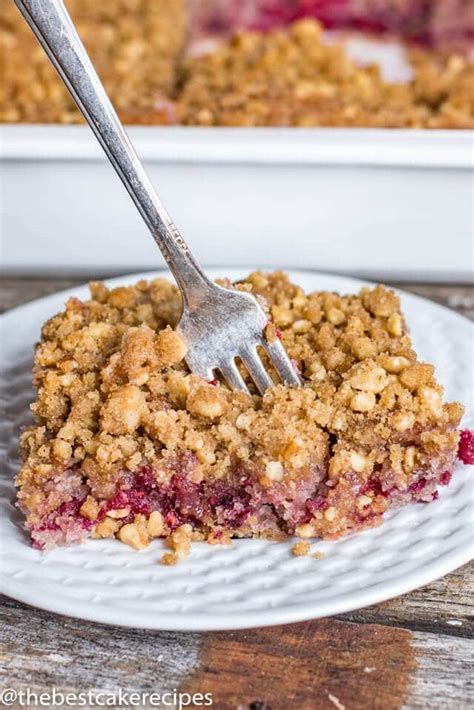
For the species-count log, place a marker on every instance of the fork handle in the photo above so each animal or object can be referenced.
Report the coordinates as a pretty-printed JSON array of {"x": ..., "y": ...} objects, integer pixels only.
[{"x": 55, "y": 30}]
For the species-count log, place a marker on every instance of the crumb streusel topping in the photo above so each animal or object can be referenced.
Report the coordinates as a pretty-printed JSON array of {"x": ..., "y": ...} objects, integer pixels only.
[
  {"x": 278, "y": 78},
  {"x": 127, "y": 442},
  {"x": 292, "y": 78},
  {"x": 134, "y": 44}
]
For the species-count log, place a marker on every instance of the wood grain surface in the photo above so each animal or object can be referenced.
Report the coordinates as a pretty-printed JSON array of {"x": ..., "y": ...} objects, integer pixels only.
[{"x": 415, "y": 651}]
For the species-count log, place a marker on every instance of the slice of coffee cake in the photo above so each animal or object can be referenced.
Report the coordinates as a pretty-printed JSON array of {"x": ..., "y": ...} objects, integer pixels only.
[{"x": 128, "y": 443}]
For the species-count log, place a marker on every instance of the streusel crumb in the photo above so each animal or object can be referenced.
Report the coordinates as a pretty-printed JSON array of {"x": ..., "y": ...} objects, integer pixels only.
[
  {"x": 301, "y": 548},
  {"x": 290, "y": 77},
  {"x": 128, "y": 443},
  {"x": 135, "y": 46},
  {"x": 294, "y": 78}
]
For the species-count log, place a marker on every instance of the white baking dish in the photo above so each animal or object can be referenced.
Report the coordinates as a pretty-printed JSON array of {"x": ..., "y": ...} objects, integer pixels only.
[{"x": 380, "y": 203}]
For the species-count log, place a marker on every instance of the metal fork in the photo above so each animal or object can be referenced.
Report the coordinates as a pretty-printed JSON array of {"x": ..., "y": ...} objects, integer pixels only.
[{"x": 217, "y": 324}]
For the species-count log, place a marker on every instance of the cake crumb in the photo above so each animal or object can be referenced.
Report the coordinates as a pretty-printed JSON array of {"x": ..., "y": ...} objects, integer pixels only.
[
  {"x": 180, "y": 541},
  {"x": 318, "y": 555},
  {"x": 301, "y": 548},
  {"x": 219, "y": 537},
  {"x": 169, "y": 559}
]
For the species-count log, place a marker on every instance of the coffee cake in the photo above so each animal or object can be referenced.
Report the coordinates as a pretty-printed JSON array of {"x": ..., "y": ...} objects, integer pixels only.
[{"x": 127, "y": 443}]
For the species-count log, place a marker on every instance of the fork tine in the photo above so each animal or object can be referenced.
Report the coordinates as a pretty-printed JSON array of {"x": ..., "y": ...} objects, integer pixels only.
[
  {"x": 254, "y": 365},
  {"x": 222, "y": 326},
  {"x": 281, "y": 362},
  {"x": 233, "y": 377}
]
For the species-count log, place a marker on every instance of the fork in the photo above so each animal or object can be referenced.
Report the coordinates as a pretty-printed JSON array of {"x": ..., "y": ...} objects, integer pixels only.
[{"x": 217, "y": 324}]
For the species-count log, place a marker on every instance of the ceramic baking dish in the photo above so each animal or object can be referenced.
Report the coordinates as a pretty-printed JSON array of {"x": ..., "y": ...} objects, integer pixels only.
[{"x": 379, "y": 203}]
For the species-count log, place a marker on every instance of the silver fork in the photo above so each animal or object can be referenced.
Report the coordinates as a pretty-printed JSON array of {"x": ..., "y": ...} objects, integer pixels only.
[{"x": 217, "y": 324}]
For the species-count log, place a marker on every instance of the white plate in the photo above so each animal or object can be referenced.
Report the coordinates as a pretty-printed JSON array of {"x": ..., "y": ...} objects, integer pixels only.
[{"x": 252, "y": 583}]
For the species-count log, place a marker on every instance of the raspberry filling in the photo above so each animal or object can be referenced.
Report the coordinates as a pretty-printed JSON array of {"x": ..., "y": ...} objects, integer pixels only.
[
  {"x": 466, "y": 447},
  {"x": 408, "y": 19},
  {"x": 242, "y": 505},
  {"x": 65, "y": 511},
  {"x": 416, "y": 20}
]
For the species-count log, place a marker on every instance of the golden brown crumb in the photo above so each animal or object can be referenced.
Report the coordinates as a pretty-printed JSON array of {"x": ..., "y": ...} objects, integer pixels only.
[
  {"x": 294, "y": 79},
  {"x": 134, "y": 44},
  {"x": 180, "y": 541},
  {"x": 155, "y": 525},
  {"x": 118, "y": 513},
  {"x": 306, "y": 530},
  {"x": 278, "y": 78},
  {"x": 171, "y": 349},
  {"x": 206, "y": 400},
  {"x": 107, "y": 528},
  {"x": 219, "y": 537},
  {"x": 90, "y": 508},
  {"x": 169, "y": 559},
  {"x": 301, "y": 548},
  {"x": 135, "y": 534}
]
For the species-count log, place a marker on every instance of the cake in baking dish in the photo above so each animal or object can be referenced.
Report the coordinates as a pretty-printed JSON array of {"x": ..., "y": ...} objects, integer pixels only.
[{"x": 250, "y": 63}]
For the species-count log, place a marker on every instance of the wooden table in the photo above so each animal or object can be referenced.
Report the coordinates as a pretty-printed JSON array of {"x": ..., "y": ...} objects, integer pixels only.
[{"x": 411, "y": 652}]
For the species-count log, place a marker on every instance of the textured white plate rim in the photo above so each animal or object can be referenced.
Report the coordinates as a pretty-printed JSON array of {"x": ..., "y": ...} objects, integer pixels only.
[
  {"x": 242, "y": 620},
  {"x": 190, "y": 621}
]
